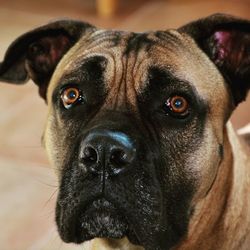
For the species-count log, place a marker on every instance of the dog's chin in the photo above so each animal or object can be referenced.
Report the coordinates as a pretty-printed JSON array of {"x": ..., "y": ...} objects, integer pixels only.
[
  {"x": 103, "y": 223},
  {"x": 102, "y": 220}
]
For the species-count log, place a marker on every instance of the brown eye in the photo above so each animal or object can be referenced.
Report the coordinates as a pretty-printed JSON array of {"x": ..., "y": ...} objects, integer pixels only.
[
  {"x": 178, "y": 105},
  {"x": 70, "y": 96}
]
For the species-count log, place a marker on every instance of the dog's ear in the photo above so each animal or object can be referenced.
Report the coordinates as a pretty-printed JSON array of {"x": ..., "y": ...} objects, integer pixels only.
[
  {"x": 226, "y": 40},
  {"x": 35, "y": 54}
]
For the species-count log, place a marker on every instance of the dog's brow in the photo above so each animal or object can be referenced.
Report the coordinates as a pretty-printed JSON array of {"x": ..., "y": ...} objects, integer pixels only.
[
  {"x": 90, "y": 64},
  {"x": 160, "y": 77}
]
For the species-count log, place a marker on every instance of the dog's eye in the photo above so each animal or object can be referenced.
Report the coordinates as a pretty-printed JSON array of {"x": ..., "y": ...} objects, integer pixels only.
[
  {"x": 70, "y": 96},
  {"x": 177, "y": 106}
]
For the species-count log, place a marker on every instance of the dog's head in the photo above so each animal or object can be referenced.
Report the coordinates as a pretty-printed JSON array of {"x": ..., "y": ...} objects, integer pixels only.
[{"x": 136, "y": 122}]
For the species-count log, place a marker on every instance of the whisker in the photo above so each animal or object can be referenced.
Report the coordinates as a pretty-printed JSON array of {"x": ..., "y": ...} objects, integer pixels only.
[{"x": 51, "y": 196}]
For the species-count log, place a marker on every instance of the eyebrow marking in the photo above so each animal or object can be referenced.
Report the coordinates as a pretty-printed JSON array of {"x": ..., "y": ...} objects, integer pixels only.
[
  {"x": 161, "y": 75},
  {"x": 96, "y": 61}
]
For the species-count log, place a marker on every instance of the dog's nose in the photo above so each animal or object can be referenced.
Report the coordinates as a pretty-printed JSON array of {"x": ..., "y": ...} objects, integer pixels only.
[{"x": 107, "y": 152}]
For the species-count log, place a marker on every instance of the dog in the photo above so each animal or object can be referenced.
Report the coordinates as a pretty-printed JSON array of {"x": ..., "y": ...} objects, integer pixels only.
[{"x": 138, "y": 131}]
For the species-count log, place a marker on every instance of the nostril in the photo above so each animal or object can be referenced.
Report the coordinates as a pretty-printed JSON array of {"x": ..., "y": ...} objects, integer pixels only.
[
  {"x": 107, "y": 153},
  {"x": 90, "y": 156},
  {"x": 119, "y": 157}
]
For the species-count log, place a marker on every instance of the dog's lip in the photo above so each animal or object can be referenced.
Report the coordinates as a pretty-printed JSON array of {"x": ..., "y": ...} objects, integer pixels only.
[{"x": 101, "y": 204}]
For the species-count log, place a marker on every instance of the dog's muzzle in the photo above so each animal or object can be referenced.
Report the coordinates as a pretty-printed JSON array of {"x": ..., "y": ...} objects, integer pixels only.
[
  {"x": 105, "y": 158},
  {"x": 109, "y": 187},
  {"x": 105, "y": 154}
]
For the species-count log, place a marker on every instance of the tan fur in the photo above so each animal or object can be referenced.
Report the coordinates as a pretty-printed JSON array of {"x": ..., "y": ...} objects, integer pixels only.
[{"x": 222, "y": 218}]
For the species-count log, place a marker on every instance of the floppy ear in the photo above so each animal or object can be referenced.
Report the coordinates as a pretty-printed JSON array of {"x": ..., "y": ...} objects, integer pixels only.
[
  {"x": 226, "y": 41},
  {"x": 35, "y": 54}
]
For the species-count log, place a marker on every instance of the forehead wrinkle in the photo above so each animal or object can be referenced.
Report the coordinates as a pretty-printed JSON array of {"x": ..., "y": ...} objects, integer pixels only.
[
  {"x": 139, "y": 70},
  {"x": 131, "y": 76},
  {"x": 129, "y": 81},
  {"x": 123, "y": 90},
  {"x": 101, "y": 37},
  {"x": 169, "y": 39},
  {"x": 115, "y": 82}
]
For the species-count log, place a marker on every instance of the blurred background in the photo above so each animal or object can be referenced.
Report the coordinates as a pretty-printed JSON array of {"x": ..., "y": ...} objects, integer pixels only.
[{"x": 28, "y": 185}]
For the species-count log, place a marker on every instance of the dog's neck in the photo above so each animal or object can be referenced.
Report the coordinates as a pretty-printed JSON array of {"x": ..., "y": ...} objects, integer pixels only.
[{"x": 225, "y": 212}]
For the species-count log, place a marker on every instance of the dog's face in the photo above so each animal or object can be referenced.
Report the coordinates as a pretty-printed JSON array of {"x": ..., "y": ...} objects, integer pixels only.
[
  {"x": 129, "y": 146},
  {"x": 135, "y": 123}
]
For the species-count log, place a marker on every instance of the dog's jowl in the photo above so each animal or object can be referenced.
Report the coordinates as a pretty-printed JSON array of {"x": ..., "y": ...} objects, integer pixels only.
[{"x": 138, "y": 131}]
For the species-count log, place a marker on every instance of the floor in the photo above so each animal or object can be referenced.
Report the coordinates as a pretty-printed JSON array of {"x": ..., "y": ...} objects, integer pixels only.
[{"x": 27, "y": 184}]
